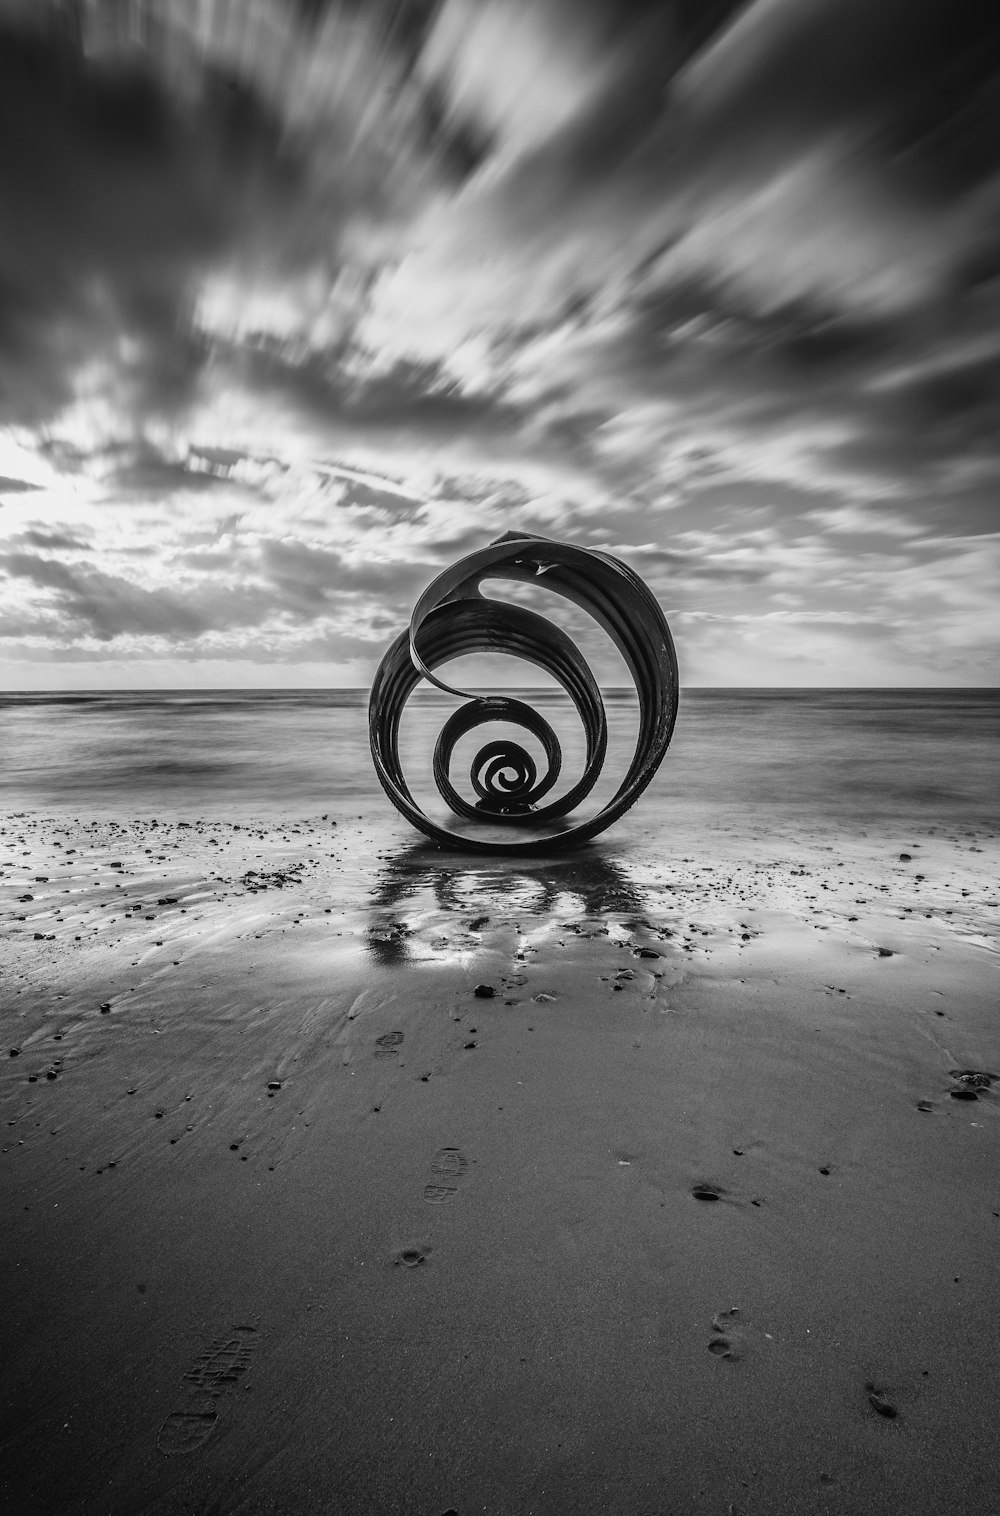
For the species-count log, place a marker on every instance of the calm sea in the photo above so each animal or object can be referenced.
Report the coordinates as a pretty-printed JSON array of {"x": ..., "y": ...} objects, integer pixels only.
[{"x": 920, "y": 756}]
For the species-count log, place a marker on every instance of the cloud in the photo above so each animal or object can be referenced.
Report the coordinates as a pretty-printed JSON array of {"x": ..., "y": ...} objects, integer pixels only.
[
  {"x": 52, "y": 541},
  {"x": 300, "y": 299},
  {"x": 15, "y": 486}
]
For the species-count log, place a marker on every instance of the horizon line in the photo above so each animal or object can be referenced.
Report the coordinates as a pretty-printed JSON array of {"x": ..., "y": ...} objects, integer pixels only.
[{"x": 298, "y": 689}]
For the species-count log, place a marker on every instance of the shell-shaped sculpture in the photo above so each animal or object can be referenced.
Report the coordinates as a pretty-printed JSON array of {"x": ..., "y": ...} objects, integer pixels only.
[{"x": 452, "y": 618}]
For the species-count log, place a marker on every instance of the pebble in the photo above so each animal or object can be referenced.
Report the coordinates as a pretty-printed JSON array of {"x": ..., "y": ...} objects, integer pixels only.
[
  {"x": 882, "y": 1404},
  {"x": 484, "y": 991}
]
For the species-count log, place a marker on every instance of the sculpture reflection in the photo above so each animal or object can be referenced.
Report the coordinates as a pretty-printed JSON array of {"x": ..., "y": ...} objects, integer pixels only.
[{"x": 591, "y": 884}]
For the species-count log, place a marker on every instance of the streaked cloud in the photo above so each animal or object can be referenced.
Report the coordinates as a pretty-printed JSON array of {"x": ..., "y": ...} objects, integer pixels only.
[{"x": 300, "y": 299}]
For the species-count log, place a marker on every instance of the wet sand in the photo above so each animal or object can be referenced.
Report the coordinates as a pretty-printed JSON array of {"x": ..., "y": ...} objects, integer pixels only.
[{"x": 340, "y": 1174}]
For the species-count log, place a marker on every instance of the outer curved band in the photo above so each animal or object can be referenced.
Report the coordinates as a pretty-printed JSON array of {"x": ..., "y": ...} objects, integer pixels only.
[{"x": 453, "y": 617}]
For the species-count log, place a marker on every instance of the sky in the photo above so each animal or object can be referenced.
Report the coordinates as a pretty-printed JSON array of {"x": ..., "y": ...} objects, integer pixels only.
[{"x": 301, "y": 300}]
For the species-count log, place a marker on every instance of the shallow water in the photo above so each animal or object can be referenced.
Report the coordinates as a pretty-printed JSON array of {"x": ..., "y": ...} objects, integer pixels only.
[{"x": 844, "y": 756}]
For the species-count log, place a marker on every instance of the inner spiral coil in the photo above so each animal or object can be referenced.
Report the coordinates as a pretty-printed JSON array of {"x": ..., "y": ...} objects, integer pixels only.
[{"x": 453, "y": 618}]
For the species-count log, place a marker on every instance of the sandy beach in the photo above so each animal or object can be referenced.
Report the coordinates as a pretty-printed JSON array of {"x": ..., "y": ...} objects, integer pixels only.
[{"x": 342, "y": 1174}]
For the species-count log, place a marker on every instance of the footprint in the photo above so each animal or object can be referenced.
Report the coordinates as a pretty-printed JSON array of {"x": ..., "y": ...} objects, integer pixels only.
[
  {"x": 214, "y": 1372},
  {"x": 450, "y": 1165},
  {"x": 727, "y": 1336},
  {"x": 185, "y": 1431},
  {"x": 439, "y": 1194},
  {"x": 449, "y": 1161},
  {"x": 387, "y": 1046},
  {"x": 223, "y": 1361}
]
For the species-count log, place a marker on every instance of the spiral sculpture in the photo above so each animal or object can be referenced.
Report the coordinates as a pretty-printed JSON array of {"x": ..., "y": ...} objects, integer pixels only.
[{"x": 453, "y": 617}]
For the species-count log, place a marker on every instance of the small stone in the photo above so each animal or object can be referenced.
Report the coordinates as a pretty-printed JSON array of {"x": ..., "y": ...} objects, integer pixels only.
[
  {"x": 885, "y": 952},
  {"x": 484, "y": 991},
  {"x": 881, "y": 1403},
  {"x": 274, "y": 1084},
  {"x": 105, "y": 1007}
]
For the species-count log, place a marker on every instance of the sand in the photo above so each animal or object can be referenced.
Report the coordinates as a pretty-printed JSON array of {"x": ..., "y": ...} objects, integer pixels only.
[{"x": 677, "y": 1212}]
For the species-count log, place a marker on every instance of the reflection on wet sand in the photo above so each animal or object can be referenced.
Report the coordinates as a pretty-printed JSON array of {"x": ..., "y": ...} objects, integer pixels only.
[{"x": 589, "y": 883}]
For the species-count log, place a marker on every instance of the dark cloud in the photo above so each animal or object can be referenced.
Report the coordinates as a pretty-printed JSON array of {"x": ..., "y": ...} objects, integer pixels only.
[
  {"x": 313, "y": 578},
  {"x": 15, "y": 486},
  {"x": 647, "y": 45},
  {"x": 103, "y": 605},
  {"x": 53, "y": 541},
  {"x": 909, "y": 89},
  {"x": 114, "y": 194},
  {"x": 412, "y": 404},
  {"x": 245, "y": 583},
  {"x": 139, "y": 469}
]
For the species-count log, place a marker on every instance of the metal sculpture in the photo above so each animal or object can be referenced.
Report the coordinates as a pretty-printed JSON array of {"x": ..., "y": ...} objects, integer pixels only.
[{"x": 453, "y": 617}]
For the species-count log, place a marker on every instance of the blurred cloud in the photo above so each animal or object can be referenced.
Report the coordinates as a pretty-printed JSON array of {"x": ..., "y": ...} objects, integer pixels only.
[{"x": 300, "y": 300}]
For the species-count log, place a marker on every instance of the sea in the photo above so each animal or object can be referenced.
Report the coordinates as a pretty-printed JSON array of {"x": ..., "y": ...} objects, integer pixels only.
[{"x": 917, "y": 757}]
